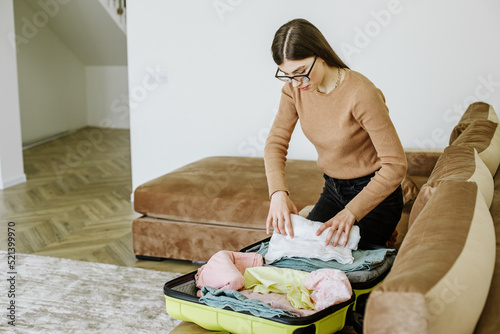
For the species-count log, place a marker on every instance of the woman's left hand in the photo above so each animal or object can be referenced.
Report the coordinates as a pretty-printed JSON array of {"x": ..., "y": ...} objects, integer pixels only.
[{"x": 342, "y": 222}]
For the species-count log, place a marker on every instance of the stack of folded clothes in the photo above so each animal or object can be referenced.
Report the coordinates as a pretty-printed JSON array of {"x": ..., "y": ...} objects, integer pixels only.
[
  {"x": 300, "y": 276},
  {"x": 307, "y": 252}
]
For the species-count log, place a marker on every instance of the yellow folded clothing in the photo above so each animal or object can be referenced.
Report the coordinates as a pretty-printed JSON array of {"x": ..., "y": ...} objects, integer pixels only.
[{"x": 280, "y": 280}]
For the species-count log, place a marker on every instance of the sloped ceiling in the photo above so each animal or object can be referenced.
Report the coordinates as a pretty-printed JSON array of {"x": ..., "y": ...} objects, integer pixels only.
[{"x": 87, "y": 29}]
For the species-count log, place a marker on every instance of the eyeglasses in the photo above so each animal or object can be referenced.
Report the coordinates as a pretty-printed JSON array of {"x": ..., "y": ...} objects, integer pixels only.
[{"x": 298, "y": 78}]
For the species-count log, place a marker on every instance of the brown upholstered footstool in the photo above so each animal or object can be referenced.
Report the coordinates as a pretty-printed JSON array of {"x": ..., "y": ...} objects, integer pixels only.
[{"x": 217, "y": 203}]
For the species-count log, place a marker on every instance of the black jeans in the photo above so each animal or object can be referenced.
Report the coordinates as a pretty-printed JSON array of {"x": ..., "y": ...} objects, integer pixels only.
[{"x": 377, "y": 226}]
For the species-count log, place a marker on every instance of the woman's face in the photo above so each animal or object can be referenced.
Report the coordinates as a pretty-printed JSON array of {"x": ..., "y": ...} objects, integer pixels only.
[{"x": 303, "y": 66}]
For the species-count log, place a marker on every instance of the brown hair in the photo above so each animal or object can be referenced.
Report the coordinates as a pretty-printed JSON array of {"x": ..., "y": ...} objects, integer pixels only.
[{"x": 300, "y": 39}]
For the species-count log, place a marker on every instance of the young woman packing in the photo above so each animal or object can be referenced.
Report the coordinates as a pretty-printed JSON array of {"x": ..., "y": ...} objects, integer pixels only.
[{"x": 345, "y": 117}]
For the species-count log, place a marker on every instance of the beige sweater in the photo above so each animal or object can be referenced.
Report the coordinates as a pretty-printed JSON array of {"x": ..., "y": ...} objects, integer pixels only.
[{"x": 353, "y": 135}]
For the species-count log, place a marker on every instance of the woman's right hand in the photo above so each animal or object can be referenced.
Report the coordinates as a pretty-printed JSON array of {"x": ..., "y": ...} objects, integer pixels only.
[{"x": 279, "y": 213}]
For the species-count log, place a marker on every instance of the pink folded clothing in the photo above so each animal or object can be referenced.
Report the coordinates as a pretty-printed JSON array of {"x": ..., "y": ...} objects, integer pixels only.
[
  {"x": 329, "y": 287},
  {"x": 277, "y": 300},
  {"x": 225, "y": 270}
]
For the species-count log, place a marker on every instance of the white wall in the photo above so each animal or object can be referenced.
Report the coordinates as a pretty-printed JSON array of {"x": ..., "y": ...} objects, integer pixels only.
[
  {"x": 51, "y": 79},
  {"x": 431, "y": 59},
  {"x": 107, "y": 96},
  {"x": 88, "y": 28},
  {"x": 11, "y": 158}
]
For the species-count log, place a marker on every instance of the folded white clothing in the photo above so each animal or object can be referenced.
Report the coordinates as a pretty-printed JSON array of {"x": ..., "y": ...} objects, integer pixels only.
[
  {"x": 307, "y": 244},
  {"x": 306, "y": 229}
]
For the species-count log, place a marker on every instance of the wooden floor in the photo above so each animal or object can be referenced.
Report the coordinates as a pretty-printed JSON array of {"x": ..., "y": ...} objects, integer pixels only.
[{"x": 76, "y": 202}]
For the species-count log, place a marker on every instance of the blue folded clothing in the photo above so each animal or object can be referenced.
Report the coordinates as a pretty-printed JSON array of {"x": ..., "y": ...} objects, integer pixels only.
[
  {"x": 361, "y": 276},
  {"x": 236, "y": 301},
  {"x": 364, "y": 260}
]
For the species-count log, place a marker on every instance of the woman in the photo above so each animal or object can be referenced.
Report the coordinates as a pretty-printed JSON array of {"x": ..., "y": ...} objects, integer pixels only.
[{"x": 345, "y": 117}]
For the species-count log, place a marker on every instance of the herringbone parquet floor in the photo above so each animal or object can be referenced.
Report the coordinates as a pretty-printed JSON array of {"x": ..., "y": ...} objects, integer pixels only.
[{"x": 76, "y": 201}]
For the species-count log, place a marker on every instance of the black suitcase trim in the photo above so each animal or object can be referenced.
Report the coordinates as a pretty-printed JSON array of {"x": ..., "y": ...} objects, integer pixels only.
[{"x": 169, "y": 291}]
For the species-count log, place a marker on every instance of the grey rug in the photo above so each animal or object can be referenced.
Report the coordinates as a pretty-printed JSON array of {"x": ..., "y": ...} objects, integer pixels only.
[{"x": 55, "y": 295}]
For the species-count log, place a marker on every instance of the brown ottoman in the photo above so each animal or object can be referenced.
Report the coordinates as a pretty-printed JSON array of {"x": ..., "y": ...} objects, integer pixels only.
[{"x": 213, "y": 204}]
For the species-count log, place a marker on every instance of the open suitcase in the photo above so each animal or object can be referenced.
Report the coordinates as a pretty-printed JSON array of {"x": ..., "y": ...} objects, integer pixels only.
[{"x": 183, "y": 304}]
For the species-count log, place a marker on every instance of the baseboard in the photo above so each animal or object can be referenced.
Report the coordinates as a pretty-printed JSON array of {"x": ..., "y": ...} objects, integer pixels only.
[
  {"x": 12, "y": 181},
  {"x": 41, "y": 141}
]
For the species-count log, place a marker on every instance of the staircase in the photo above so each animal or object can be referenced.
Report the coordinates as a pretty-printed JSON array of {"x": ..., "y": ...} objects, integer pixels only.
[
  {"x": 94, "y": 30},
  {"x": 117, "y": 10}
]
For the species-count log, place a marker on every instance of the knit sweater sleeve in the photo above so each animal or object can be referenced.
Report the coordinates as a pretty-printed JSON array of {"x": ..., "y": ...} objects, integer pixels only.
[
  {"x": 371, "y": 112},
  {"x": 277, "y": 142}
]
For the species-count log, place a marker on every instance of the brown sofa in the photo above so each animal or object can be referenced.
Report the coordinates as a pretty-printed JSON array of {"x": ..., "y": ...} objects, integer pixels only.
[
  {"x": 446, "y": 276},
  {"x": 222, "y": 203},
  {"x": 212, "y": 204}
]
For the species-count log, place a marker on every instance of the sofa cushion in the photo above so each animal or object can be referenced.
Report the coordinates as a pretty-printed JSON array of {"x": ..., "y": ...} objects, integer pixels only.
[
  {"x": 460, "y": 163},
  {"x": 410, "y": 189},
  {"x": 484, "y": 136},
  {"x": 181, "y": 240},
  {"x": 229, "y": 191},
  {"x": 420, "y": 163},
  {"x": 440, "y": 279},
  {"x": 490, "y": 321},
  {"x": 476, "y": 111}
]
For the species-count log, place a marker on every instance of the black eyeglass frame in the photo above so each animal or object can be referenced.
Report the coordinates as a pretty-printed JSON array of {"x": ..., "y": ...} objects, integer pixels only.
[{"x": 288, "y": 79}]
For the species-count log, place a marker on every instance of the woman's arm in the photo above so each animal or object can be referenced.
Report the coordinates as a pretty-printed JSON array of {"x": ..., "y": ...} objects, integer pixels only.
[
  {"x": 275, "y": 152},
  {"x": 372, "y": 114}
]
